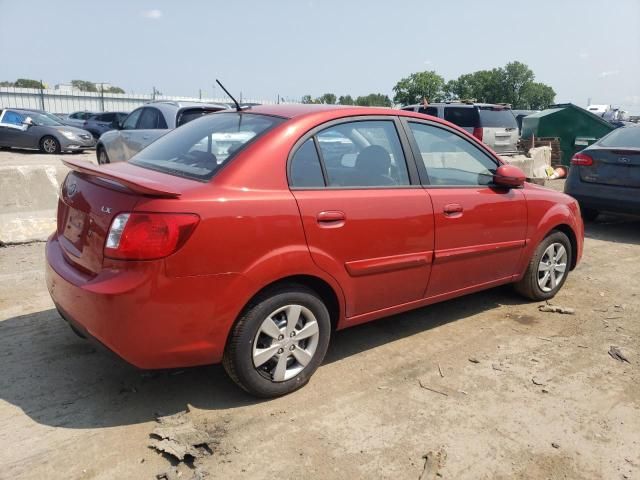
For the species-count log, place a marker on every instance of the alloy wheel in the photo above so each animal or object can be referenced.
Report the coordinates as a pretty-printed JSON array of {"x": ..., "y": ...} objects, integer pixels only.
[
  {"x": 552, "y": 267},
  {"x": 49, "y": 145},
  {"x": 285, "y": 343}
]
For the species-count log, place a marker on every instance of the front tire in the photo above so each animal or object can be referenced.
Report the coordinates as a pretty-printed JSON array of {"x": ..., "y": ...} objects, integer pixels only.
[
  {"x": 548, "y": 269},
  {"x": 49, "y": 145},
  {"x": 103, "y": 158},
  {"x": 279, "y": 341}
]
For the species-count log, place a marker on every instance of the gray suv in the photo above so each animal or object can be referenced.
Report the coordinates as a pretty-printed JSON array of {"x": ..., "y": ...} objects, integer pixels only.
[
  {"x": 494, "y": 125},
  {"x": 146, "y": 124}
]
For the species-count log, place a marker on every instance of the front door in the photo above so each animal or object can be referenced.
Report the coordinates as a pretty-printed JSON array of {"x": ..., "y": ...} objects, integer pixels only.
[
  {"x": 367, "y": 224},
  {"x": 480, "y": 228}
]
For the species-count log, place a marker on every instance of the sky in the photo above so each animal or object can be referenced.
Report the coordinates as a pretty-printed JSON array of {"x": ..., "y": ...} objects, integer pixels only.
[{"x": 586, "y": 49}]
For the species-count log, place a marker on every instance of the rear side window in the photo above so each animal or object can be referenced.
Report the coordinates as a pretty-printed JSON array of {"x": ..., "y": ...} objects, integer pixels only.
[
  {"x": 151, "y": 119},
  {"x": 200, "y": 148},
  {"x": 462, "y": 116},
  {"x": 433, "y": 111},
  {"x": 306, "y": 171},
  {"x": 185, "y": 116},
  {"x": 12, "y": 118},
  {"x": 363, "y": 154},
  {"x": 492, "y": 117}
]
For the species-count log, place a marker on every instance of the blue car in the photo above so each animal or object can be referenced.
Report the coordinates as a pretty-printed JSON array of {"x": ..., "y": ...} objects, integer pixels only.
[
  {"x": 99, "y": 123},
  {"x": 605, "y": 177}
]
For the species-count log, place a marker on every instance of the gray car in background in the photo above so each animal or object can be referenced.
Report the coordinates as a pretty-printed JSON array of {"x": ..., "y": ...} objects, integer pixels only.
[
  {"x": 494, "y": 125},
  {"x": 146, "y": 124},
  {"x": 32, "y": 129},
  {"x": 77, "y": 119}
]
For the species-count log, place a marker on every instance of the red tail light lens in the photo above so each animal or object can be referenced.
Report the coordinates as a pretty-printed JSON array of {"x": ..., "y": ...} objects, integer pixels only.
[
  {"x": 582, "y": 159},
  {"x": 148, "y": 236},
  {"x": 477, "y": 132}
]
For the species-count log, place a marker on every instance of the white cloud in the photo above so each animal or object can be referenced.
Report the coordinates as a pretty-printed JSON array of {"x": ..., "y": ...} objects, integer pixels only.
[
  {"x": 428, "y": 62},
  {"x": 583, "y": 55},
  {"x": 608, "y": 73},
  {"x": 152, "y": 14}
]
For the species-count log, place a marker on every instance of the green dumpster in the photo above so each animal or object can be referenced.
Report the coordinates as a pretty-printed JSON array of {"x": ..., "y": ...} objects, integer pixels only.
[{"x": 574, "y": 126}]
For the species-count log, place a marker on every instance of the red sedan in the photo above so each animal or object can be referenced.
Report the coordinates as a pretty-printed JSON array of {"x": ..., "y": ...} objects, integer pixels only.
[{"x": 248, "y": 237}]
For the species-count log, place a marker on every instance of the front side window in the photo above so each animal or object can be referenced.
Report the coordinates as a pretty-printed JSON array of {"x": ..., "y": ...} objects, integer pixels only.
[
  {"x": 132, "y": 119},
  {"x": 433, "y": 111},
  {"x": 107, "y": 117},
  {"x": 451, "y": 160},
  {"x": 200, "y": 148},
  {"x": 363, "y": 154},
  {"x": 306, "y": 171}
]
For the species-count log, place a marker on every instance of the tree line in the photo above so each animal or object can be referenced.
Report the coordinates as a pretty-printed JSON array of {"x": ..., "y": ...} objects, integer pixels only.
[
  {"x": 513, "y": 84},
  {"x": 82, "y": 85}
]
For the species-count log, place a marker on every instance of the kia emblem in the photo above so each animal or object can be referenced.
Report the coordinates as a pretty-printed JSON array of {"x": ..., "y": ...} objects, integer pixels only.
[
  {"x": 72, "y": 188},
  {"x": 106, "y": 210},
  {"x": 623, "y": 160}
]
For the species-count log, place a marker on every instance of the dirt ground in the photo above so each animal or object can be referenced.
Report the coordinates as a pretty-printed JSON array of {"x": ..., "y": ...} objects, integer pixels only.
[{"x": 486, "y": 386}]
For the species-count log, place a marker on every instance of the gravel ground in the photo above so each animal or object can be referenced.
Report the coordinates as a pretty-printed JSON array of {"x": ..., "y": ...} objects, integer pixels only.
[{"x": 486, "y": 386}]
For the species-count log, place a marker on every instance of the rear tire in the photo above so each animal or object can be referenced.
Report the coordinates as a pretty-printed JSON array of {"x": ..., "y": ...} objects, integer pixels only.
[
  {"x": 548, "y": 268},
  {"x": 589, "y": 214},
  {"x": 49, "y": 145},
  {"x": 103, "y": 158},
  {"x": 279, "y": 341}
]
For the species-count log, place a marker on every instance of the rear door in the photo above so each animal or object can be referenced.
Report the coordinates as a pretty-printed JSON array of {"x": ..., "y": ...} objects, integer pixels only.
[
  {"x": 368, "y": 222},
  {"x": 151, "y": 125},
  {"x": 499, "y": 129},
  {"x": 13, "y": 133},
  {"x": 480, "y": 229}
]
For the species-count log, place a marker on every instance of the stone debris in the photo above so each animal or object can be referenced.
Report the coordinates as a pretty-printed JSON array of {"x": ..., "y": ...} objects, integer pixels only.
[
  {"x": 616, "y": 354},
  {"x": 556, "y": 309},
  {"x": 433, "y": 463}
]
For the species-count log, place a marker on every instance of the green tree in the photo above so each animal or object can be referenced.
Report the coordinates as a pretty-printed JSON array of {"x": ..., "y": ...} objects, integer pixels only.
[
  {"x": 418, "y": 86},
  {"x": 346, "y": 100},
  {"x": 28, "y": 83},
  {"x": 7, "y": 84},
  {"x": 328, "y": 98},
  {"x": 84, "y": 85},
  {"x": 115, "y": 90},
  {"x": 307, "y": 99},
  {"x": 515, "y": 77},
  {"x": 536, "y": 96},
  {"x": 373, "y": 100}
]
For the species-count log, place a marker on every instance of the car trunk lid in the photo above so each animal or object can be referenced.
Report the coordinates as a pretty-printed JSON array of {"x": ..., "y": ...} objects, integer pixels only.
[
  {"x": 615, "y": 166},
  {"x": 91, "y": 197},
  {"x": 499, "y": 129}
]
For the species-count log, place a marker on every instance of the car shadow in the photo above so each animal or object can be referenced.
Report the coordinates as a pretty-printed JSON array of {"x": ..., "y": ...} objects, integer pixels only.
[
  {"x": 60, "y": 380},
  {"x": 614, "y": 228}
]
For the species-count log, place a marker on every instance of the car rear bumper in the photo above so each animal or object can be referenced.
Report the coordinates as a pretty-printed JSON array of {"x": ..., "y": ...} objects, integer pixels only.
[
  {"x": 148, "y": 319},
  {"x": 608, "y": 198}
]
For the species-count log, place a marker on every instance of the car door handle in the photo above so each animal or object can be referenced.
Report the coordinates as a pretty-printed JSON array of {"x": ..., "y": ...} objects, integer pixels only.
[
  {"x": 331, "y": 218},
  {"x": 453, "y": 209}
]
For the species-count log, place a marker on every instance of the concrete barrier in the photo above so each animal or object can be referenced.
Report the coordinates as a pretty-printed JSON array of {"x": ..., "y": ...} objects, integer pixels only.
[{"x": 28, "y": 201}]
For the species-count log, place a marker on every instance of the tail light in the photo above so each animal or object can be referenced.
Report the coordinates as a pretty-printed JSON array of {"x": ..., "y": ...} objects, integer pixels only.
[
  {"x": 477, "y": 132},
  {"x": 582, "y": 159},
  {"x": 148, "y": 236}
]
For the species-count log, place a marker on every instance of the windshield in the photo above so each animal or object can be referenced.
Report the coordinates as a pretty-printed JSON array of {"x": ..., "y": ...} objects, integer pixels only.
[
  {"x": 43, "y": 119},
  {"x": 628, "y": 137},
  {"x": 493, "y": 117},
  {"x": 198, "y": 149}
]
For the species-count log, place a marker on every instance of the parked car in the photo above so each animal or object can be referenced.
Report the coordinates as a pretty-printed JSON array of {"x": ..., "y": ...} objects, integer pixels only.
[
  {"x": 146, "y": 124},
  {"x": 32, "y": 129},
  {"x": 103, "y": 122},
  {"x": 190, "y": 255},
  {"x": 494, "y": 125},
  {"x": 605, "y": 177},
  {"x": 77, "y": 119}
]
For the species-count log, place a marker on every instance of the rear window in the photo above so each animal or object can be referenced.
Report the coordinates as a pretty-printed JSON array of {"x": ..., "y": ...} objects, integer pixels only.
[
  {"x": 492, "y": 117},
  {"x": 628, "y": 137},
  {"x": 185, "y": 116},
  {"x": 198, "y": 150},
  {"x": 461, "y": 116}
]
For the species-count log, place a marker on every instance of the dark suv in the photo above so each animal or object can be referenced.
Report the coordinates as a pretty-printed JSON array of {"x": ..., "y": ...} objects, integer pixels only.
[
  {"x": 494, "y": 125},
  {"x": 103, "y": 122}
]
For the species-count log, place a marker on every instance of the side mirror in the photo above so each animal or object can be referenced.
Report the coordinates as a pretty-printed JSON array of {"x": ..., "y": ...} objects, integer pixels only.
[{"x": 509, "y": 176}]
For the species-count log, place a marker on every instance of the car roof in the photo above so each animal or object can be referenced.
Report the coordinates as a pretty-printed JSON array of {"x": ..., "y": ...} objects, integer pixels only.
[
  {"x": 293, "y": 110},
  {"x": 184, "y": 104},
  {"x": 460, "y": 104}
]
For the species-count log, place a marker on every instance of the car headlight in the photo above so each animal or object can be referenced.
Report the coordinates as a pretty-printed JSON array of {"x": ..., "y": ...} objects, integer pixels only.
[{"x": 69, "y": 135}]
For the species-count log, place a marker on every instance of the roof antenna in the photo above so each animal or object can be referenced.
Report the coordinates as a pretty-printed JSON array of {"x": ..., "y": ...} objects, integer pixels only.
[{"x": 238, "y": 107}]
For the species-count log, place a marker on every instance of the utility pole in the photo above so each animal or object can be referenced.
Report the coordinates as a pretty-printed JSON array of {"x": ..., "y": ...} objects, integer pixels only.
[
  {"x": 154, "y": 93},
  {"x": 200, "y": 93},
  {"x": 42, "y": 94}
]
